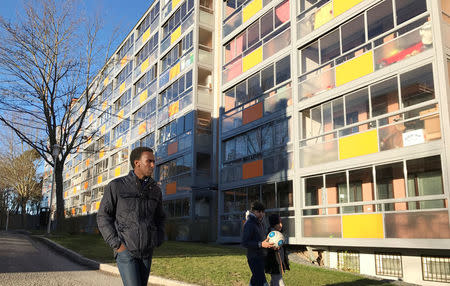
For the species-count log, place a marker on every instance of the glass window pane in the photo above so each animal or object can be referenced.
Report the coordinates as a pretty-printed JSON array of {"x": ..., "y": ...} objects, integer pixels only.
[
  {"x": 241, "y": 93},
  {"x": 384, "y": 97},
  {"x": 253, "y": 34},
  {"x": 267, "y": 78},
  {"x": 310, "y": 57},
  {"x": 316, "y": 120},
  {"x": 254, "y": 86},
  {"x": 329, "y": 46},
  {"x": 390, "y": 181},
  {"x": 407, "y": 9},
  {"x": 336, "y": 185},
  {"x": 282, "y": 13},
  {"x": 338, "y": 113},
  {"x": 267, "y": 137},
  {"x": 361, "y": 188},
  {"x": 283, "y": 70},
  {"x": 313, "y": 191},
  {"x": 268, "y": 196},
  {"x": 327, "y": 117},
  {"x": 266, "y": 23},
  {"x": 417, "y": 86},
  {"x": 229, "y": 100},
  {"x": 241, "y": 199},
  {"x": 285, "y": 198},
  {"x": 253, "y": 142},
  {"x": 353, "y": 33},
  {"x": 241, "y": 146},
  {"x": 424, "y": 179},
  {"x": 380, "y": 19},
  {"x": 253, "y": 195},
  {"x": 230, "y": 149},
  {"x": 357, "y": 106}
]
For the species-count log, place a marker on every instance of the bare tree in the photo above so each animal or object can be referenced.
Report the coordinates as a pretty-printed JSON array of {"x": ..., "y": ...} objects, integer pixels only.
[
  {"x": 19, "y": 173},
  {"x": 47, "y": 83}
]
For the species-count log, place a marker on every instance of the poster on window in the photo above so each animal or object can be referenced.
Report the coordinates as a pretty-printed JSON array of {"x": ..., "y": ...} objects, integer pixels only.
[{"x": 413, "y": 137}]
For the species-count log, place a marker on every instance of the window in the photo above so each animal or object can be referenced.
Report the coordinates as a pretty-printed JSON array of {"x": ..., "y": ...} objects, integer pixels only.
[
  {"x": 266, "y": 23},
  {"x": 149, "y": 47},
  {"x": 435, "y": 268},
  {"x": 348, "y": 261},
  {"x": 203, "y": 162},
  {"x": 146, "y": 79},
  {"x": 384, "y": 97},
  {"x": 417, "y": 86},
  {"x": 176, "y": 18},
  {"x": 267, "y": 78},
  {"x": 353, "y": 34},
  {"x": 283, "y": 70},
  {"x": 407, "y": 9},
  {"x": 389, "y": 264},
  {"x": 125, "y": 72},
  {"x": 268, "y": 195},
  {"x": 330, "y": 46},
  {"x": 151, "y": 16},
  {"x": 313, "y": 191},
  {"x": 380, "y": 19},
  {"x": 425, "y": 179},
  {"x": 285, "y": 197}
]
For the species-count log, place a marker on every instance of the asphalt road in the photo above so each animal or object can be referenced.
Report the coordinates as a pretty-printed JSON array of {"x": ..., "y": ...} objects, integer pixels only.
[{"x": 24, "y": 261}]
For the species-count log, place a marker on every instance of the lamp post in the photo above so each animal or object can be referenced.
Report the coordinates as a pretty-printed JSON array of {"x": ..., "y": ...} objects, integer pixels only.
[{"x": 55, "y": 153}]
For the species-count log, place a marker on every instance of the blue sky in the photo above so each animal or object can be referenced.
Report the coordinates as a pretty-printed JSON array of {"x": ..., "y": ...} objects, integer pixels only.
[{"x": 117, "y": 14}]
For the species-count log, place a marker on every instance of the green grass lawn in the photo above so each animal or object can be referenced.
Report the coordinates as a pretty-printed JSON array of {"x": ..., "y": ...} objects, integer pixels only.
[{"x": 207, "y": 264}]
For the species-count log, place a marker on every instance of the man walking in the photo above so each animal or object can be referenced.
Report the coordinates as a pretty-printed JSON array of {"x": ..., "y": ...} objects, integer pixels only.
[
  {"x": 131, "y": 218},
  {"x": 254, "y": 239}
]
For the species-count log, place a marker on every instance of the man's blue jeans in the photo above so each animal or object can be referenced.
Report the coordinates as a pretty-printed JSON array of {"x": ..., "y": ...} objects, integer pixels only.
[{"x": 134, "y": 271}]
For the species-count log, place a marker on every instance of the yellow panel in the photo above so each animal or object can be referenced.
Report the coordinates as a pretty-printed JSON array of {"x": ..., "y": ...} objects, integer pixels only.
[
  {"x": 358, "y": 145},
  {"x": 362, "y": 226},
  {"x": 120, "y": 114},
  {"x": 123, "y": 61},
  {"x": 174, "y": 71},
  {"x": 143, "y": 96},
  {"x": 104, "y": 105},
  {"x": 175, "y": 35},
  {"x": 91, "y": 117},
  {"x": 90, "y": 140},
  {"x": 175, "y": 3},
  {"x": 119, "y": 142},
  {"x": 99, "y": 179},
  {"x": 340, "y": 6},
  {"x": 142, "y": 128},
  {"x": 252, "y": 59},
  {"x": 122, "y": 87},
  {"x": 323, "y": 15},
  {"x": 84, "y": 208},
  {"x": 117, "y": 172},
  {"x": 102, "y": 153},
  {"x": 354, "y": 68},
  {"x": 97, "y": 205},
  {"x": 144, "y": 65},
  {"x": 174, "y": 108},
  {"x": 65, "y": 194},
  {"x": 76, "y": 169},
  {"x": 251, "y": 9},
  {"x": 103, "y": 129},
  {"x": 106, "y": 81},
  {"x": 146, "y": 35},
  {"x": 87, "y": 162},
  {"x": 74, "y": 190}
]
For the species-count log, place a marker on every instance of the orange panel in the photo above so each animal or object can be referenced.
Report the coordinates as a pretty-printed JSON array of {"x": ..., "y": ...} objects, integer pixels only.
[
  {"x": 252, "y": 169},
  {"x": 86, "y": 185},
  {"x": 252, "y": 113},
  {"x": 172, "y": 148},
  {"x": 171, "y": 188}
]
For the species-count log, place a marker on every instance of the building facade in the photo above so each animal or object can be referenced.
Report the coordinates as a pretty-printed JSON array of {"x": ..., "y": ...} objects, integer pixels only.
[{"x": 333, "y": 113}]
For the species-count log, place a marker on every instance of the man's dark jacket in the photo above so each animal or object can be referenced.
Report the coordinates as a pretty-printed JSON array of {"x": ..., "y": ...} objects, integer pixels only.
[
  {"x": 252, "y": 237},
  {"x": 131, "y": 213}
]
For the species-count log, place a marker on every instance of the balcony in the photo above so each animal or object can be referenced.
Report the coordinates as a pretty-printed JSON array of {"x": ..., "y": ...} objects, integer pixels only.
[
  {"x": 256, "y": 54},
  {"x": 141, "y": 97},
  {"x": 176, "y": 33},
  {"x": 369, "y": 57},
  {"x": 260, "y": 107},
  {"x": 177, "y": 68},
  {"x": 405, "y": 129},
  {"x": 146, "y": 35},
  {"x": 142, "y": 67}
]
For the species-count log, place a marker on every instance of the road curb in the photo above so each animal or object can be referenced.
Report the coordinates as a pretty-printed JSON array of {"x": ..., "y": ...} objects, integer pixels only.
[{"x": 153, "y": 280}]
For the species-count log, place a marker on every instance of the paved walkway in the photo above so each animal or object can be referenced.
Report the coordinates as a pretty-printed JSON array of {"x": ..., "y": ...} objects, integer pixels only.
[{"x": 24, "y": 261}]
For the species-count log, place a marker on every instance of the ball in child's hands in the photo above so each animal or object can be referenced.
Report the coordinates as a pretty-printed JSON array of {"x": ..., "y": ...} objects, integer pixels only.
[{"x": 276, "y": 237}]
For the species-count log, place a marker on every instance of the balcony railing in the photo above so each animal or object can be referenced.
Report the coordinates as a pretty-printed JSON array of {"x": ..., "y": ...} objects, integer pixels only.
[
  {"x": 204, "y": 95},
  {"x": 144, "y": 126},
  {"x": 270, "y": 104},
  {"x": 236, "y": 20},
  {"x": 142, "y": 67},
  {"x": 146, "y": 35},
  {"x": 168, "y": 148},
  {"x": 260, "y": 52},
  {"x": 205, "y": 55},
  {"x": 388, "y": 53},
  {"x": 185, "y": 25},
  {"x": 177, "y": 68},
  {"x": 141, "y": 97},
  {"x": 402, "y": 132}
]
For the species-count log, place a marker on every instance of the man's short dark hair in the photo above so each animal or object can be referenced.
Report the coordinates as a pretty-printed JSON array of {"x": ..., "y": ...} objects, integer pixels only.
[
  {"x": 257, "y": 206},
  {"x": 137, "y": 153}
]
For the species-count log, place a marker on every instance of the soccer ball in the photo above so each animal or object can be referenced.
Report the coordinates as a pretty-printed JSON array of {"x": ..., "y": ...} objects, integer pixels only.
[{"x": 276, "y": 237}]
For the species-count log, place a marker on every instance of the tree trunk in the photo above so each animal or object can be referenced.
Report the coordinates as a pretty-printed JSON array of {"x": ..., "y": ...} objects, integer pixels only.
[
  {"x": 59, "y": 195},
  {"x": 23, "y": 204}
]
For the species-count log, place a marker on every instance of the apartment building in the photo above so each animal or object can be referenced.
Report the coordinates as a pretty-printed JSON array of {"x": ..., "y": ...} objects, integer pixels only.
[{"x": 333, "y": 113}]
